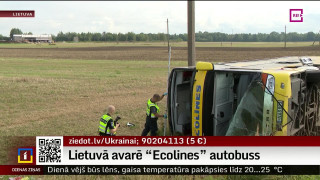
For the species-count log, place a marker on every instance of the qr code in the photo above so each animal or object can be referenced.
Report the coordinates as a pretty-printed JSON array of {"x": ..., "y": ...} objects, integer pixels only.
[{"x": 49, "y": 150}]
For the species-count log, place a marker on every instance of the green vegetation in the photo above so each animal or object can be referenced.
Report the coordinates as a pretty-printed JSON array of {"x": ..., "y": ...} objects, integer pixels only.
[
  {"x": 160, "y": 44},
  {"x": 67, "y": 97},
  {"x": 15, "y": 31},
  {"x": 200, "y": 36}
]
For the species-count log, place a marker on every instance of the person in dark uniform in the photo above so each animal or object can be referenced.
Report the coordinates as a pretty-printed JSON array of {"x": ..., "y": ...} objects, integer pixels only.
[
  {"x": 106, "y": 126},
  {"x": 153, "y": 115}
]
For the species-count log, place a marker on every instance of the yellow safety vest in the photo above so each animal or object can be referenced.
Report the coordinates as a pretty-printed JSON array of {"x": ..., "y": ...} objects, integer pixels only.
[
  {"x": 149, "y": 105},
  {"x": 103, "y": 124}
]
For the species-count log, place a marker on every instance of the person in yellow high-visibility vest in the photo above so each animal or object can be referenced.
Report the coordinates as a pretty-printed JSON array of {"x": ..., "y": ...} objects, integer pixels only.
[
  {"x": 153, "y": 115},
  {"x": 107, "y": 126}
]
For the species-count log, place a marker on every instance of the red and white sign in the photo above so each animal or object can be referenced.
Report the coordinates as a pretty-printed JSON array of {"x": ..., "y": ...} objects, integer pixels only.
[
  {"x": 18, "y": 13},
  {"x": 296, "y": 15}
]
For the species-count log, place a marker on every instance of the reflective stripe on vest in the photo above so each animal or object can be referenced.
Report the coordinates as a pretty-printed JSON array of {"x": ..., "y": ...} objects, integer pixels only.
[
  {"x": 103, "y": 124},
  {"x": 149, "y": 105}
]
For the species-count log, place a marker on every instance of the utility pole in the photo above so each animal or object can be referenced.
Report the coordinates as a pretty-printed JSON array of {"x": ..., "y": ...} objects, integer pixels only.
[
  {"x": 285, "y": 36},
  {"x": 168, "y": 36},
  {"x": 169, "y": 59},
  {"x": 169, "y": 47},
  {"x": 191, "y": 35}
]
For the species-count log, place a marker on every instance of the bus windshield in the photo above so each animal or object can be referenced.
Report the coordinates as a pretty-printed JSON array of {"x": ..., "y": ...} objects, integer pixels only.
[{"x": 248, "y": 118}]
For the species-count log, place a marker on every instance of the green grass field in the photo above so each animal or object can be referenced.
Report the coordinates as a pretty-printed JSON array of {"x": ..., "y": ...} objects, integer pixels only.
[
  {"x": 173, "y": 44},
  {"x": 67, "y": 97}
]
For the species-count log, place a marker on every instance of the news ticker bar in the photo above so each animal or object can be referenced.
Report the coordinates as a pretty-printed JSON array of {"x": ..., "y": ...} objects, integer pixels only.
[
  {"x": 161, "y": 170},
  {"x": 191, "y": 141},
  {"x": 17, "y": 13}
]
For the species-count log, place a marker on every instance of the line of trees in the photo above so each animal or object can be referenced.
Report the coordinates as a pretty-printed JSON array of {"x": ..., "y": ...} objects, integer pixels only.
[
  {"x": 200, "y": 36},
  {"x": 107, "y": 36},
  {"x": 4, "y": 38}
]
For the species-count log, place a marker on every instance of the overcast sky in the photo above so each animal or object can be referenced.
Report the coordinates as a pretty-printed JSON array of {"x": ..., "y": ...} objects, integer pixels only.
[{"x": 150, "y": 16}]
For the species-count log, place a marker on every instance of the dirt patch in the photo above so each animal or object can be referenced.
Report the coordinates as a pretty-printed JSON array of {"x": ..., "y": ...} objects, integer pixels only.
[{"x": 159, "y": 53}]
